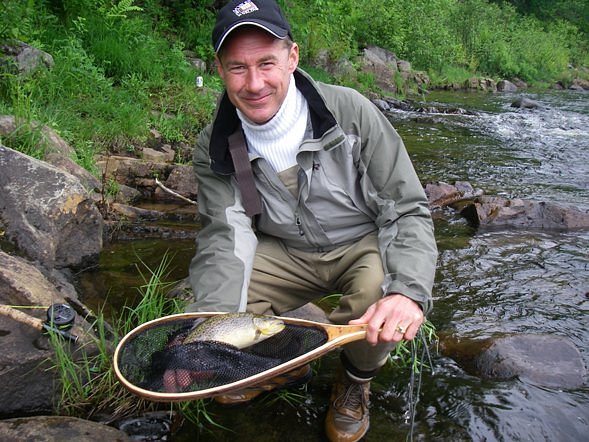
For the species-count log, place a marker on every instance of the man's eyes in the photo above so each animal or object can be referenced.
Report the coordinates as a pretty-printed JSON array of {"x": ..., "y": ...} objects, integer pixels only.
[{"x": 238, "y": 69}]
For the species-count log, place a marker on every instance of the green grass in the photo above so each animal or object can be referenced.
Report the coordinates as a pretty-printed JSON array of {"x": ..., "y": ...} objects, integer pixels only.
[{"x": 88, "y": 383}]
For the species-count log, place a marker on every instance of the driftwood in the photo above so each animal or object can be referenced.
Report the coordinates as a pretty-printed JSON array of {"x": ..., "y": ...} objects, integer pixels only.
[{"x": 176, "y": 194}]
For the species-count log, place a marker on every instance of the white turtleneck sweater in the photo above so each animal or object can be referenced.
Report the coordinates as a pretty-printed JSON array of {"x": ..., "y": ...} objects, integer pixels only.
[{"x": 278, "y": 140}]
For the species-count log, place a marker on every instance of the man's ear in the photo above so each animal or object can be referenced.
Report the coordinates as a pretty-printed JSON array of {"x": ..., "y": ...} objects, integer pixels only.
[
  {"x": 219, "y": 66},
  {"x": 293, "y": 58}
]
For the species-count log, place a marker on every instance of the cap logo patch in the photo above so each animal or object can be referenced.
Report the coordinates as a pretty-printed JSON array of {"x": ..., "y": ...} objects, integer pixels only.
[{"x": 245, "y": 8}]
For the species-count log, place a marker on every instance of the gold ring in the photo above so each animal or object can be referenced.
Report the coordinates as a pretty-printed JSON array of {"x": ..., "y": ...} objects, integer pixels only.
[{"x": 401, "y": 329}]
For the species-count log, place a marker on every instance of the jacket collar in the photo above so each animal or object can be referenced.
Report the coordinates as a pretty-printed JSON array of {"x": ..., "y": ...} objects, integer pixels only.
[{"x": 227, "y": 122}]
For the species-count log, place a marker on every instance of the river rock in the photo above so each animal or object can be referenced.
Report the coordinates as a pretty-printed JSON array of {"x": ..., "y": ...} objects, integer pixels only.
[
  {"x": 181, "y": 180},
  {"x": 519, "y": 83},
  {"x": 58, "y": 428},
  {"x": 526, "y": 103},
  {"x": 47, "y": 213},
  {"x": 480, "y": 84},
  {"x": 498, "y": 211},
  {"x": 441, "y": 194},
  {"x": 163, "y": 155},
  {"x": 381, "y": 63},
  {"x": 21, "y": 58},
  {"x": 49, "y": 140},
  {"x": 547, "y": 360},
  {"x": 89, "y": 181},
  {"x": 581, "y": 84},
  {"x": 506, "y": 86},
  {"x": 27, "y": 384},
  {"x": 21, "y": 283},
  {"x": 140, "y": 174},
  {"x": 136, "y": 173}
]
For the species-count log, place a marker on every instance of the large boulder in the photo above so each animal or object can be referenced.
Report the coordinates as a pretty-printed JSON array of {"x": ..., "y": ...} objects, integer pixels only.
[
  {"x": 20, "y": 58},
  {"x": 58, "y": 428},
  {"x": 49, "y": 140},
  {"x": 506, "y": 86},
  {"x": 57, "y": 151},
  {"x": 47, "y": 213},
  {"x": 382, "y": 64},
  {"x": 27, "y": 383},
  {"x": 542, "y": 359},
  {"x": 547, "y": 360},
  {"x": 480, "y": 84}
]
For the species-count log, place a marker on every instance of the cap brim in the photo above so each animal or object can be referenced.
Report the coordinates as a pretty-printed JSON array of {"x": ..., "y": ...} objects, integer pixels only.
[{"x": 276, "y": 31}]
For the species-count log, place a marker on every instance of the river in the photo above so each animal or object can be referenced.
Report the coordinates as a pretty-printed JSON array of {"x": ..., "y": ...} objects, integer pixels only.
[{"x": 489, "y": 282}]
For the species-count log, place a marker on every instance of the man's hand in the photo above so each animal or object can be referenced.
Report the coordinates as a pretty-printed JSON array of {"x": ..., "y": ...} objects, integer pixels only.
[{"x": 391, "y": 319}]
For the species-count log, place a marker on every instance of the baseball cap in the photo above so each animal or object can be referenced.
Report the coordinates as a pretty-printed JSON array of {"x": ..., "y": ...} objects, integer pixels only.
[{"x": 265, "y": 14}]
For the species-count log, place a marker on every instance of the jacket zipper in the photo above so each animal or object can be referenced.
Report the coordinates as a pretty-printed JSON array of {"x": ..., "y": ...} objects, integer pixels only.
[{"x": 299, "y": 224}]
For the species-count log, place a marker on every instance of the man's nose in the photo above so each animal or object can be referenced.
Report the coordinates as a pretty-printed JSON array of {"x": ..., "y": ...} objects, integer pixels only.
[{"x": 254, "y": 80}]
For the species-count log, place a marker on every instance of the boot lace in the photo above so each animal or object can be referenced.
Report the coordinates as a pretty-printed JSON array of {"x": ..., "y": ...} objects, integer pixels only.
[{"x": 353, "y": 397}]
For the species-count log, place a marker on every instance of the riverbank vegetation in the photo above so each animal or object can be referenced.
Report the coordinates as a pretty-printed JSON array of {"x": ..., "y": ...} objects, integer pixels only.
[{"x": 121, "y": 68}]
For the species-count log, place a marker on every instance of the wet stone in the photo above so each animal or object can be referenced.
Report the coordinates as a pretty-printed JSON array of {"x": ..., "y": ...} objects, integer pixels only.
[{"x": 547, "y": 360}]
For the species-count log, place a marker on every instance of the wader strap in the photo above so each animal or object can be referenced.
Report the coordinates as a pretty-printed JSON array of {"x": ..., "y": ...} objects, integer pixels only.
[{"x": 244, "y": 174}]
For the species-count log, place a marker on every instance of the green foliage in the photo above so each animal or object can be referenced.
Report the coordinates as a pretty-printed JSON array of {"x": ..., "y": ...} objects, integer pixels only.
[
  {"x": 23, "y": 20},
  {"x": 316, "y": 30},
  {"x": 197, "y": 413},
  {"x": 86, "y": 376},
  {"x": 487, "y": 38},
  {"x": 450, "y": 75},
  {"x": 154, "y": 303},
  {"x": 317, "y": 74},
  {"x": 193, "y": 22},
  {"x": 112, "y": 9},
  {"x": 111, "y": 70},
  {"x": 120, "y": 68}
]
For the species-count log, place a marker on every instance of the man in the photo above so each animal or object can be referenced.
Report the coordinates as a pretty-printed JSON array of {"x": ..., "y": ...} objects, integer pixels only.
[{"x": 305, "y": 189}]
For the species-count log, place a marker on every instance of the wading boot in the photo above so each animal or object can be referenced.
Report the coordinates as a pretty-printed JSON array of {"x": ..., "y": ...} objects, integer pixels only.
[
  {"x": 347, "y": 418},
  {"x": 293, "y": 378}
]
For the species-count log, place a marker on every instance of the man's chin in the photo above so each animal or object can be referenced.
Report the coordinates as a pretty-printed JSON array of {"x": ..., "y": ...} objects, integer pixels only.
[{"x": 259, "y": 117}]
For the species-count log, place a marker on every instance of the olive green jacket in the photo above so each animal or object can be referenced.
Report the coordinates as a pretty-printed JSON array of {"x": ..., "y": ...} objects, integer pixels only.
[{"x": 355, "y": 178}]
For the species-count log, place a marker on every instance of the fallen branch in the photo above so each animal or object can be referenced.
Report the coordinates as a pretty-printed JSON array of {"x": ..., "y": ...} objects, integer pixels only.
[{"x": 171, "y": 192}]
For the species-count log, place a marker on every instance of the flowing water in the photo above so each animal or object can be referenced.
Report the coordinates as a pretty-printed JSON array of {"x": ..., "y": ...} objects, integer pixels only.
[{"x": 489, "y": 282}]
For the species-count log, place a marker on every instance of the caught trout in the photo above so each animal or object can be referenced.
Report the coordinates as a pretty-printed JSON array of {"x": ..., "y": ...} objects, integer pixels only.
[{"x": 238, "y": 329}]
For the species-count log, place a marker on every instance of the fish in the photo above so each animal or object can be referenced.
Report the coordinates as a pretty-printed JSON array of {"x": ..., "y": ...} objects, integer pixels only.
[{"x": 239, "y": 330}]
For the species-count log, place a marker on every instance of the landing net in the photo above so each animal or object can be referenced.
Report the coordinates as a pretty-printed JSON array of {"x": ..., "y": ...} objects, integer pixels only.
[{"x": 157, "y": 359}]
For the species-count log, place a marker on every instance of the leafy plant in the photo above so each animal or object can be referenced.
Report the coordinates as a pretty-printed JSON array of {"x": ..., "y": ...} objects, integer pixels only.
[{"x": 112, "y": 9}]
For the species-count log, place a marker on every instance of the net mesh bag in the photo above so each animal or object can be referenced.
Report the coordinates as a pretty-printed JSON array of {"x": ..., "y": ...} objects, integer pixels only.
[{"x": 157, "y": 359}]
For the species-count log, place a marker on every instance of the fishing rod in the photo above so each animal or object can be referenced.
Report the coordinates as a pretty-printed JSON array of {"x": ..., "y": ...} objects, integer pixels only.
[{"x": 60, "y": 318}]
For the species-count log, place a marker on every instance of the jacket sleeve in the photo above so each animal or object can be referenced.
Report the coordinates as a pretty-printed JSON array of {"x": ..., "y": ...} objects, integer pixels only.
[
  {"x": 393, "y": 190},
  {"x": 225, "y": 246}
]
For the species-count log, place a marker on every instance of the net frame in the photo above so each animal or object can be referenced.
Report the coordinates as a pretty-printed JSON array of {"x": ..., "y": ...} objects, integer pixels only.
[{"x": 337, "y": 335}]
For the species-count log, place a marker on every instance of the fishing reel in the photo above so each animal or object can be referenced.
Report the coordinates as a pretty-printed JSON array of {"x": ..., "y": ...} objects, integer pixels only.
[{"x": 61, "y": 316}]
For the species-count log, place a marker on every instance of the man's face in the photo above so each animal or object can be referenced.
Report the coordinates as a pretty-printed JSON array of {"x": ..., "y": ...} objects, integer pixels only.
[{"x": 256, "y": 69}]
